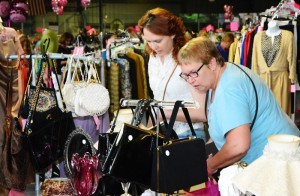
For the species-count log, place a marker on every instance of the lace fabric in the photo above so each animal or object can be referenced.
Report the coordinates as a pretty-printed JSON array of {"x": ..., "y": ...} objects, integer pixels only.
[{"x": 291, "y": 155}]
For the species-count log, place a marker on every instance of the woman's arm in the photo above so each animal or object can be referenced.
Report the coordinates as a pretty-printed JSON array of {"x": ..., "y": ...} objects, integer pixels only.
[
  {"x": 196, "y": 114},
  {"x": 235, "y": 148}
]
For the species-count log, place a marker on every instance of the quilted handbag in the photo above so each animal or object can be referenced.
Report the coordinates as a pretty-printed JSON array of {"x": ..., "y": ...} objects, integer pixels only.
[{"x": 93, "y": 98}]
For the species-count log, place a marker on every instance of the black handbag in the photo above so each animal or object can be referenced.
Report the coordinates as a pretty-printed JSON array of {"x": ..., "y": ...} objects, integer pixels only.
[
  {"x": 46, "y": 132},
  {"x": 46, "y": 98},
  {"x": 132, "y": 158},
  {"x": 181, "y": 163}
]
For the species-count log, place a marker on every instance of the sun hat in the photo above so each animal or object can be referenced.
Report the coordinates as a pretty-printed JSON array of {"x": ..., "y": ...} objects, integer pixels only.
[{"x": 276, "y": 172}]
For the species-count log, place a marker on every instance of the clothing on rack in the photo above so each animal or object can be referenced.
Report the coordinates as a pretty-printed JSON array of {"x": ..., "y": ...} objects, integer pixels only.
[
  {"x": 127, "y": 73},
  {"x": 276, "y": 64},
  {"x": 9, "y": 45}
]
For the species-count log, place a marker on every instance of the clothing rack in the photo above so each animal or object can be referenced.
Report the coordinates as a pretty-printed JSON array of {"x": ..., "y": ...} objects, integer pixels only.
[
  {"x": 83, "y": 57},
  {"x": 156, "y": 103},
  {"x": 57, "y": 56}
]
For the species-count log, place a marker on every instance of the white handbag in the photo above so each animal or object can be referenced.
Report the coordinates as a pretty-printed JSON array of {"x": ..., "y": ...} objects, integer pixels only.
[
  {"x": 70, "y": 88},
  {"x": 93, "y": 98}
]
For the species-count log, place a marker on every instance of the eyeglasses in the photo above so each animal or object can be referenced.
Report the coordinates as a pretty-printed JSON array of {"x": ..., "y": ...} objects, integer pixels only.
[{"x": 193, "y": 74}]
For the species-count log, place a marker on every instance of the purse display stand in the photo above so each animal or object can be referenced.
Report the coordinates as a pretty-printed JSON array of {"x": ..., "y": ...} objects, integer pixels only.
[{"x": 152, "y": 160}]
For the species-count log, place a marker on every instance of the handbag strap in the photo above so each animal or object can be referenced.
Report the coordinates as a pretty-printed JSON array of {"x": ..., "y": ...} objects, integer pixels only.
[
  {"x": 137, "y": 112},
  {"x": 165, "y": 90},
  {"x": 179, "y": 104},
  {"x": 256, "y": 97}
]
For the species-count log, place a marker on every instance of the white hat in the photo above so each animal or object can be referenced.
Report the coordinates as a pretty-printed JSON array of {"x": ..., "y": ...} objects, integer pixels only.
[{"x": 276, "y": 172}]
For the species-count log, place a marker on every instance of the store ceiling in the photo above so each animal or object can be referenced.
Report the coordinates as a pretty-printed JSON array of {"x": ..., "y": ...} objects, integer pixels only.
[{"x": 187, "y": 6}]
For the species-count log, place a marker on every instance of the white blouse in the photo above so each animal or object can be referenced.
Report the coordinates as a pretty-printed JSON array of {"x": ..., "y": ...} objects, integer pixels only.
[{"x": 177, "y": 88}]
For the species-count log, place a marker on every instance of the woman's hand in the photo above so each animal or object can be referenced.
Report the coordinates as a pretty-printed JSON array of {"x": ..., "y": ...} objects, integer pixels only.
[{"x": 210, "y": 171}]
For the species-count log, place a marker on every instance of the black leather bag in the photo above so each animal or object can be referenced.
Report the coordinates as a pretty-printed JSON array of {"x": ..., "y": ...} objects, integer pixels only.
[
  {"x": 46, "y": 132},
  {"x": 138, "y": 156},
  {"x": 130, "y": 159},
  {"x": 130, "y": 156},
  {"x": 181, "y": 163}
]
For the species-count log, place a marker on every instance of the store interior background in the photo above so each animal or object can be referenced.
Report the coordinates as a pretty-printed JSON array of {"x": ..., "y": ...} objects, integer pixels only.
[{"x": 105, "y": 15}]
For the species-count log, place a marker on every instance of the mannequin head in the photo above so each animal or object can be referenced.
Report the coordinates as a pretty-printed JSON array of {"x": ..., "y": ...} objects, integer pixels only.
[{"x": 273, "y": 28}]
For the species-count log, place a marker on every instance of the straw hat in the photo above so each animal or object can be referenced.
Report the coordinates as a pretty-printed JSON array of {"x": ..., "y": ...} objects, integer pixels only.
[{"x": 276, "y": 172}]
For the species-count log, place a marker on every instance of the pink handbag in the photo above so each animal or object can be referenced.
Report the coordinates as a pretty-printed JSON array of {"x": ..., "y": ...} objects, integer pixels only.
[
  {"x": 210, "y": 189},
  {"x": 78, "y": 50}
]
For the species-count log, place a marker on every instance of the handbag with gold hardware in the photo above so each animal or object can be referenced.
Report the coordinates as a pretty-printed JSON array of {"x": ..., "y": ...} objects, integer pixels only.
[
  {"x": 160, "y": 163},
  {"x": 46, "y": 132}
]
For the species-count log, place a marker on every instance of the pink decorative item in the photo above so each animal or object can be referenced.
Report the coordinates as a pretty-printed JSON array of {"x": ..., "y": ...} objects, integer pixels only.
[
  {"x": 22, "y": 5},
  {"x": 4, "y": 9},
  {"x": 63, "y": 3},
  {"x": 85, "y": 3},
  {"x": 86, "y": 176},
  {"x": 225, "y": 7},
  {"x": 17, "y": 15},
  {"x": 228, "y": 9},
  {"x": 57, "y": 6},
  {"x": 210, "y": 28},
  {"x": 54, "y": 4},
  {"x": 60, "y": 10},
  {"x": 234, "y": 26},
  {"x": 226, "y": 15}
]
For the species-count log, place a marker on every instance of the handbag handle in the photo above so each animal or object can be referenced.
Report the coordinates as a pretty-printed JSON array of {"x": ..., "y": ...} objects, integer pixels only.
[
  {"x": 137, "y": 115},
  {"x": 179, "y": 104},
  {"x": 77, "y": 66},
  {"x": 92, "y": 71}
]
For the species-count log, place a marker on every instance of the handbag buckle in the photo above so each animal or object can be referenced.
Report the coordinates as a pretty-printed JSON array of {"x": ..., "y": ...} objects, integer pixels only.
[
  {"x": 241, "y": 164},
  {"x": 167, "y": 142}
]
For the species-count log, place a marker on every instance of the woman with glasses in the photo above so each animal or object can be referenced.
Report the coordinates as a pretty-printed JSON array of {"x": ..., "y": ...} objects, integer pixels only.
[
  {"x": 164, "y": 35},
  {"x": 232, "y": 104}
]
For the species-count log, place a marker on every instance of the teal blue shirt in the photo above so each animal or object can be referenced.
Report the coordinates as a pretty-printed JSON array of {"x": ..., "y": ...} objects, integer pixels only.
[{"x": 234, "y": 105}]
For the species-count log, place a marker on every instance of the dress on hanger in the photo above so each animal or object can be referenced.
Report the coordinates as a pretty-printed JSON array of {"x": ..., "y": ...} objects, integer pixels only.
[
  {"x": 10, "y": 73},
  {"x": 276, "y": 64},
  {"x": 8, "y": 36}
]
